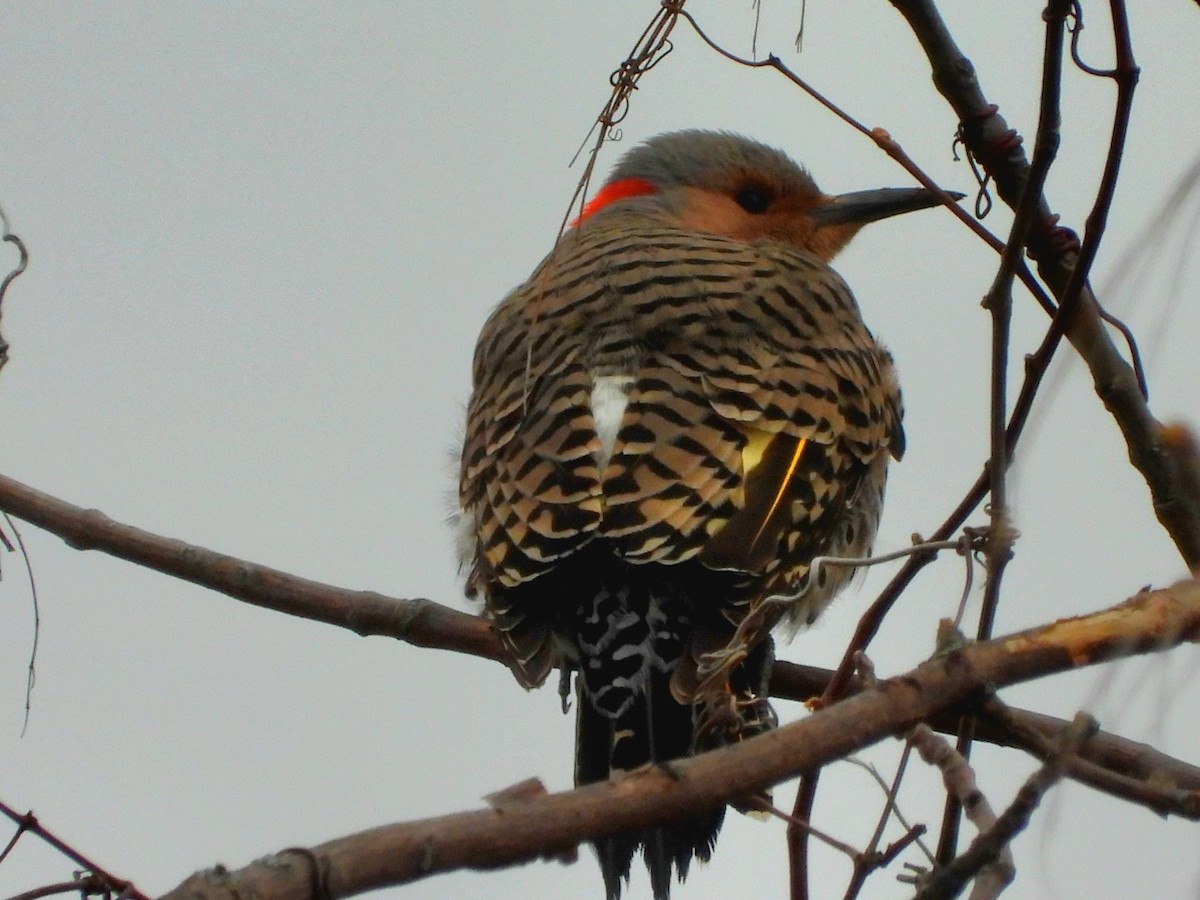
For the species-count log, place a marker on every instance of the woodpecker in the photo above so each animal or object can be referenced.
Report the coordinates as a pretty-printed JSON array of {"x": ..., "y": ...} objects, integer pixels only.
[{"x": 677, "y": 412}]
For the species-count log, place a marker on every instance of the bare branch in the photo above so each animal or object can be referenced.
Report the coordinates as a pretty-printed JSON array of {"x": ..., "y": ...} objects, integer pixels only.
[
  {"x": 27, "y": 823},
  {"x": 83, "y": 886},
  {"x": 1130, "y": 769},
  {"x": 1156, "y": 790},
  {"x": 871, "y": 859},
  {"x": 424, "y": 623},
  {"x": 995, "y": 145},
  {"x": 1152, "y": 621},
  {"x": 999, "y": 301},
  {"x": 420, "y": 622},
  {"x": 31, "y": 672}
]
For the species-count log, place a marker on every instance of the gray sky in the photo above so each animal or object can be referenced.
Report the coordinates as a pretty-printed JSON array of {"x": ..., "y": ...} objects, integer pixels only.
[{"x": 264, "y": 238}]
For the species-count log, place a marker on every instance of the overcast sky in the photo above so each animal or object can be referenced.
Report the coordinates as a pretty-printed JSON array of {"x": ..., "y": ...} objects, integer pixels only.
[{"x": 264, "y": 237}]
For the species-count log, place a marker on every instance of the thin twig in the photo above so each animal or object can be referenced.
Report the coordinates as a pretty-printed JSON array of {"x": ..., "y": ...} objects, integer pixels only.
[
  {"x": 822, "y": 836},
  {"x": 22, "y": 827},
  {"x": 999, "y": 301},
  {"x": 28, "y": 823},
  {"x": 31, "y": 677},
  {"x": 651, "y": 47},
  {"x": 797, "y": 840},
  {"x": 22, "y": 261},
  {"x": 1125, "y": 74},
  {"x": 986, "y": 133},
  {"x": 871, "y": 859},
  {"x": 85, "y": 886}
]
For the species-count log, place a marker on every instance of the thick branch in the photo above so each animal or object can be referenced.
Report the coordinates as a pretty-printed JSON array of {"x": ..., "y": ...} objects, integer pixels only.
[
  {"x": 428, "y": 624},
  {"x": 520, "y": 831},
  {"x": 419, "y": 622}
]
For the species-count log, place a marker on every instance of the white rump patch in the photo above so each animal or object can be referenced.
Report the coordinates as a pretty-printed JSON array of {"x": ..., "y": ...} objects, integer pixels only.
[
  {"x": 463, "y": 526},
  {"x": 462, "y": 523},
  {"x": 610, "y": 396}
]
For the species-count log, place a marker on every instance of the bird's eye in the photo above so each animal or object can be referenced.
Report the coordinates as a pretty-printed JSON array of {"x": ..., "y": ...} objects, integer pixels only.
[{"x": 754, "y": 198}]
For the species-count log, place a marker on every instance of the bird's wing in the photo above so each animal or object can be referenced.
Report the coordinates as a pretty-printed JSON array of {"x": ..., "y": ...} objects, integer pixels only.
[
  {"x": 756, "y": 436},
  {"x": 756, "y": 407}
]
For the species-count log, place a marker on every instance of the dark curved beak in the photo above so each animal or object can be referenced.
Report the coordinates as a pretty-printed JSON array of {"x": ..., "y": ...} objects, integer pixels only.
[{"x": 861, "y": 207}]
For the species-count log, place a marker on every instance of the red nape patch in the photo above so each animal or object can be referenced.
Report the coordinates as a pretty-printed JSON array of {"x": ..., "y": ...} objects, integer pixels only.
[{"x": 611, "y": 193}]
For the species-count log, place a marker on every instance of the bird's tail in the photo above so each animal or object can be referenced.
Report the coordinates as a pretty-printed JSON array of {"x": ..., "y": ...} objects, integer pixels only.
[
  {"x": 655, "y": 728},
  {"x": 630, "y": 636}
]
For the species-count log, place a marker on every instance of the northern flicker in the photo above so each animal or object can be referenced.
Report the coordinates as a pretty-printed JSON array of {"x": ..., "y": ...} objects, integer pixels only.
[{"x": 670, "y": 419}]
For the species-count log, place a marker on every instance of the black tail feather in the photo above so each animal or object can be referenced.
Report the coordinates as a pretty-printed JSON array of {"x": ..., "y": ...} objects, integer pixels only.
[
  {"x": 630, "y": 628},
  {"x": 655, "y": 729}
]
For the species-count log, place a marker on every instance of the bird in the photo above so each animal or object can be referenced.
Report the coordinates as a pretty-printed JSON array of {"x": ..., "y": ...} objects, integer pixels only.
[{"x": 670, "y": 420}]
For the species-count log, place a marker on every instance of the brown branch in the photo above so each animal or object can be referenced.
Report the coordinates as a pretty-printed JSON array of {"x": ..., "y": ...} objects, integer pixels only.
[
  {"x": 870, "y": 859},
  {"x": 419, "y": 622},
  {"x": 554, "y": 825},
  {"x": 1155, "y": 790},
  {"x": 424, "y": 623},
  {"x": 797, "y": 839},
  {"x": 84, "y": 887},
  {"x": 1126, "y": 76},
  {"x": 1119, "y": 766},
  {"x": 27, "y": 823},
  {"x": 995, "y": 145},
  {"x": 999, "y": 300}
]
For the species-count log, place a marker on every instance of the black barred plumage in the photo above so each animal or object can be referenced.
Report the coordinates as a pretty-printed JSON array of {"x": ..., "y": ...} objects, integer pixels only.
[{"x": 671, "y": 418}]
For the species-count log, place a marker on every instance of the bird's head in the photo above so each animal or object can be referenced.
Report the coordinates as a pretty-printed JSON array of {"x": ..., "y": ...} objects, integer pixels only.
[{"x": 723, "y": 183}]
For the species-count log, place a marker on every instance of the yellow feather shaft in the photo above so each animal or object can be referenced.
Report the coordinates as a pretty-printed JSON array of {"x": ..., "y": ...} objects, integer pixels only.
[{"x": 783, "y": 486}]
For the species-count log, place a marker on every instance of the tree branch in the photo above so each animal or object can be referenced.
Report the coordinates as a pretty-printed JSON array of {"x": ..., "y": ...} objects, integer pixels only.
[
  {"x": 998, "y": 149},
  {"x": 419, "y": 622},
  {"x": 99, "y": 879},
  {"x": 552, "y": 826},
  {"x": 424, "y": 623},
  {"x": 1001, "y": 535}
]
